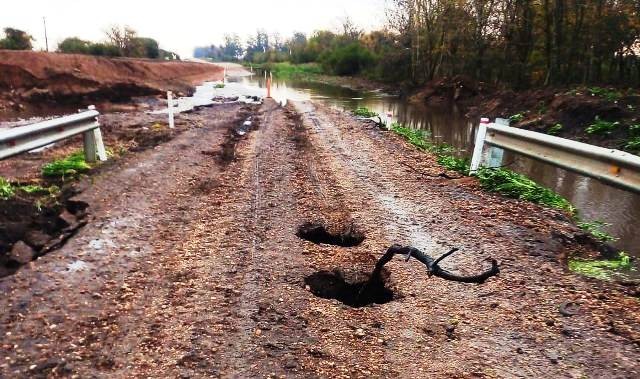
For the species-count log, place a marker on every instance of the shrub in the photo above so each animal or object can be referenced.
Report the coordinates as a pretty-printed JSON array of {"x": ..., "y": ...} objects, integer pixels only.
[
  {"x": 74, "y": 45},
  {"x": 349, "y": 59},
  {"x": 16, "y": 39},
  {"x": 104, "y": 50}
]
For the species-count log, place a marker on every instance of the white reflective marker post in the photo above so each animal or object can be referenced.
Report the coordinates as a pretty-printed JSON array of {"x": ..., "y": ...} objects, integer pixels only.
[
  {"x": 170, "y": 105},
  {"x": 479, "y": 146}
]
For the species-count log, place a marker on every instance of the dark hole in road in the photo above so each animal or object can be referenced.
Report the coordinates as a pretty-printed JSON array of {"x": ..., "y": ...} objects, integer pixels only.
[
  {"x": 318, "y": 233},
  {"x": 332, "y": 285}
]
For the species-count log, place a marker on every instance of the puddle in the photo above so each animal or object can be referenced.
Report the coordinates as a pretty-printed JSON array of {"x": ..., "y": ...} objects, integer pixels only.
[
  {"x": 333, "y": 285},
  {"x": 317, "y": 233}
]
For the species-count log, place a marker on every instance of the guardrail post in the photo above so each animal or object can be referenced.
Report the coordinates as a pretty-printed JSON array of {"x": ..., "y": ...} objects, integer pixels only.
[
  {"x": 90, "y": 149},
  {"x": 476, "y": 160},
  {"x": 170, "y": 105},
  {"x": 102, "y": 152},
  {"x": 93, "y": 144},
  {"x": 486, "y": 156}
]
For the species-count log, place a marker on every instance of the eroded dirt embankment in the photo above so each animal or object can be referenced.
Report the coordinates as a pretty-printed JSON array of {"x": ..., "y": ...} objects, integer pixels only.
[
  {"x": 562, "y": 111},
  {"x": 28, "y": 78}
]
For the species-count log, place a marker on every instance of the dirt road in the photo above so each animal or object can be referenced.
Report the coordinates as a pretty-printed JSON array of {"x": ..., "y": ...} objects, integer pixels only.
[{"x": 191, "y": 267}]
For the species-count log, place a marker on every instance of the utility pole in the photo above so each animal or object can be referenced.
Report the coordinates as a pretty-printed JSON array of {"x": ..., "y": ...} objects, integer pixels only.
[{"x": 46, "y": 39}]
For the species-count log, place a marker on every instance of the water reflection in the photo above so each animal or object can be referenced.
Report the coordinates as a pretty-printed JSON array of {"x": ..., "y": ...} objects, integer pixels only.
[{"x": 595, "y": 200}]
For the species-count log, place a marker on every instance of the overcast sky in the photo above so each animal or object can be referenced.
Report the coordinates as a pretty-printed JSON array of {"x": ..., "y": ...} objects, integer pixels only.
[{"x": 179, "y": 25}]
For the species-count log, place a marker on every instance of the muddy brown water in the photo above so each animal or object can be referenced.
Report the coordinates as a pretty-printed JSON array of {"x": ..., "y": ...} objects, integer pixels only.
[{"x": 595, "y": 200}]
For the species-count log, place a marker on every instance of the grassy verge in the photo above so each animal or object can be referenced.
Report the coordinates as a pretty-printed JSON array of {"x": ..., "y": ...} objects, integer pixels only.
[
  {"x": 518, "y": 186},
  {"x": 288, "y": 70},
  {"x": 602, "y": 269},
  {"x": 500, "y": 180}
]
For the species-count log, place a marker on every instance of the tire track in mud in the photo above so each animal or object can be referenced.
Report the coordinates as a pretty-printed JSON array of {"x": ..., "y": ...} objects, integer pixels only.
[
  {"x": 359, "y": 166},
  {"x": 239, "y": 361}
]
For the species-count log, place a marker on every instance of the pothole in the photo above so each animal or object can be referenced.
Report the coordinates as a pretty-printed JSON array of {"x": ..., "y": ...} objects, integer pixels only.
[
  {"x": 333, "y": 285},
  {"x": 348, "y": 236}
]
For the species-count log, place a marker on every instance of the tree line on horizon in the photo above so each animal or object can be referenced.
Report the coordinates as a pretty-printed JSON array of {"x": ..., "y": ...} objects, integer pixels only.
[
  {"x": 519, "y": 43},
  {"x": 119, "y": 42}
]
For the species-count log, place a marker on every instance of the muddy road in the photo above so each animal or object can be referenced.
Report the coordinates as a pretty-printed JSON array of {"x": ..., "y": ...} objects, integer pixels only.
[{"x": 190, "y": 266}]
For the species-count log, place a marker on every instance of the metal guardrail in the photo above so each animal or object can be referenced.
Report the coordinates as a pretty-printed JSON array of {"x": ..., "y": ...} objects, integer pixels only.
[
  {"x": 610, "y": 166},
  {"x": 21, "y": 139}
]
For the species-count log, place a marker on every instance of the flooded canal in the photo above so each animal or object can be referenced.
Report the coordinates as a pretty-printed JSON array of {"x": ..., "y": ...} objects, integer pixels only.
[{"x": 596, "y": 201}]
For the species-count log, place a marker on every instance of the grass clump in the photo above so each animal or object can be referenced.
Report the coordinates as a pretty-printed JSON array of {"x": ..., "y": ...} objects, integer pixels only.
[
  {"x": 601, "y": 269},
  {"x": 516, "y": 117},
  {"x": 364, "y": 112},
  {"x": 555, "y": 130},
  {"x": 219, "y": 85},
  {"x": 602, "y": 127},
  {"x": 70, "y": 166},
  {"x": 443, "y": 152},
  {"x": 6, "y": 189},
  {"x": 595, "y": 228},
  {"x": 9, "y": 190},
  {"x": 606, "y": 93},
  {"x": 633, "y": 144},
  {"x": 518, "y": 186},
  {"x": 450, "y": 162},
  {"x": 416, "y": 137}
]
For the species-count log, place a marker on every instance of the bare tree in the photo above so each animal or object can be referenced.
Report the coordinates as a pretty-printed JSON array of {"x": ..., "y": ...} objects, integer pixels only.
[{"x": 125, "y": 39}]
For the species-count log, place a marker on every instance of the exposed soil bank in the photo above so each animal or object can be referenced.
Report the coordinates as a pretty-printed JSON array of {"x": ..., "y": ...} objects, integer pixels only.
[
  {"x": 31, "y": 80},
  {"x": 564, "y": 112}
]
